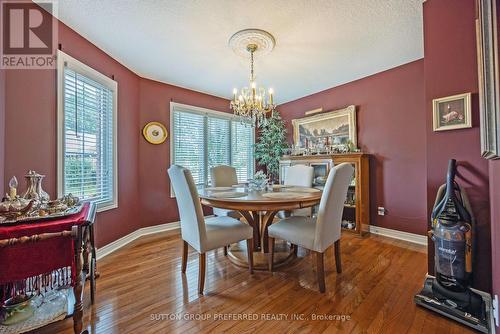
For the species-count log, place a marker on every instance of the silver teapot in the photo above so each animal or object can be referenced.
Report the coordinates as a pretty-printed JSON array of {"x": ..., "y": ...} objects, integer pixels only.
[{"x": 34, "y": 183}]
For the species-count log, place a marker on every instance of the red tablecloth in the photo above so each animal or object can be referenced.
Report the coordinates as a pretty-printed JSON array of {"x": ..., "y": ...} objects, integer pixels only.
[{"x": 41, "y": 258}]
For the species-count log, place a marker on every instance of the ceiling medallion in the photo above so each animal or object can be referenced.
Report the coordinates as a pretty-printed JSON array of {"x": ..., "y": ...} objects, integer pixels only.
[
  {"x": 240, "y": 40},
  {"x": 252, "y": 103}
]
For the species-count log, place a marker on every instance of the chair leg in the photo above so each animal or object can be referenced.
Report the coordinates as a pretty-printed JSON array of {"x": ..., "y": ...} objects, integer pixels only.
[
  {"x": 295, "y": 249},
  {"x": 201, "y": 273},
  {"x": 184, "y": 256},
  {"x": 250, "y": 254},
  {"x": 270, "y": 255},
  {"x": 338, "y": 262},
  {"x": 320, "y": 271},
  {"x": 225, "y": 250}
]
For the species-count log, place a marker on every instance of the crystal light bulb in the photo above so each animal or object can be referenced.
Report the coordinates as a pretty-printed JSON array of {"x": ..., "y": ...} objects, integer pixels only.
[
  {"x": 13, "y": 187},
  {"x": 13, "y": 182},
  {"x": 254, "y": 85},
  {"x": 235, "y": 91}
]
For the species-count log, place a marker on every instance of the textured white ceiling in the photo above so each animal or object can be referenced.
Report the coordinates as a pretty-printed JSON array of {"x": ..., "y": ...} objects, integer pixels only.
[{"x": 319, "y": 43}]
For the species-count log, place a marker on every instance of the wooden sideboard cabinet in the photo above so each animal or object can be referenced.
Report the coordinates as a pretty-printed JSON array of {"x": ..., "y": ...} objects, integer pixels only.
[{"x": 356, "y": 216}]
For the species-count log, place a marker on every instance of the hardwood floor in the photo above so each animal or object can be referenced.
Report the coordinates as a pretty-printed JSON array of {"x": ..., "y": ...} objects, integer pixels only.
[{"x": 142, "y": 290}]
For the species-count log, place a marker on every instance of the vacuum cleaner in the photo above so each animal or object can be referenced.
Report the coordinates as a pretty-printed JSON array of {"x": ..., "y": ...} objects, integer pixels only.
[{"x": 449, "y": 293}]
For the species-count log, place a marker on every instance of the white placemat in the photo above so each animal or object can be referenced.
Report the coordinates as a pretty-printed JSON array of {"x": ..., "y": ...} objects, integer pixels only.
[
  {"x": 302, "y": 190},
  {"x": 228, "y": 194},
  {"x": 280, "y": 186},
  {"x": 218, "y": 188},
  {"x": 284, "y": 195}
]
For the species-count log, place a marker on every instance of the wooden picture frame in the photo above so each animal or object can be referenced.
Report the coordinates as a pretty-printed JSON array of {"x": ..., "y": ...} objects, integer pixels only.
[
  {"x": 488, "y": 76},
  {"x": 345, "y": 116},
  {"x": 452, "y": 112}
]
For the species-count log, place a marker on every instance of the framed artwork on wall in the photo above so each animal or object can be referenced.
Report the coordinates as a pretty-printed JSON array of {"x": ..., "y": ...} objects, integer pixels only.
[
  {"x": 452, "y": 112},
  {"x": 488, "y": 75},
  {"x": 330, "y": 128}
]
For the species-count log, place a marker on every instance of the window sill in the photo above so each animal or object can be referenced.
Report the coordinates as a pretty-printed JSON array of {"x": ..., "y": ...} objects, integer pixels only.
[{"x": 107, "y": 207}]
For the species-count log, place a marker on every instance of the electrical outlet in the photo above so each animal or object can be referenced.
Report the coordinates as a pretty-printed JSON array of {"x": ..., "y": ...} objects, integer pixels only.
[
  {"x": 381, "y": 211},
  {"x": 495, "y": 310}
]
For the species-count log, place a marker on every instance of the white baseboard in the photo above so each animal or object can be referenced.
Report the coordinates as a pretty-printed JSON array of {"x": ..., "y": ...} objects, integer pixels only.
[
  {"x": 400, "y": 235},
  {"x": 117, "y": 244}
]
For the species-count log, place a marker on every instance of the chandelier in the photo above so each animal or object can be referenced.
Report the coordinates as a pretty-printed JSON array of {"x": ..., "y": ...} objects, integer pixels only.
[{"x": 252, "y": 103}]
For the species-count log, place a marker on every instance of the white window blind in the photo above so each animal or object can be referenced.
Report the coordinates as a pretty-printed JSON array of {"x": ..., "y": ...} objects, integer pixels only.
[
  {"x": 87, "y": 137},
  {"x": 219, "y": 145},
  {"x": 241, "y": 154},
  {"x": 189, "y": 146},
  {"x": 202, "y": 139}
]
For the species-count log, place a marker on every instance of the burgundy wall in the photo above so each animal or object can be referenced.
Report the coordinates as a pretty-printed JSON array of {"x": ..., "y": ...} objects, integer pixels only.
[
  {"x": 395, "y": 126},
  {"x": 143, "y": 187},
  {"x": 391, "y": 127},
  {"x": 451, "y": 68},
  {"x": 155, "y": 98},
  {"x": 31, "y": 113}
]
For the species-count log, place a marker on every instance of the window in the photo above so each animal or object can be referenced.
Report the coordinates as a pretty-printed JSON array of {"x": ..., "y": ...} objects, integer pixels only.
[
  {"x": 202, "y": 139},
  {"x": 87, "y": 154}
]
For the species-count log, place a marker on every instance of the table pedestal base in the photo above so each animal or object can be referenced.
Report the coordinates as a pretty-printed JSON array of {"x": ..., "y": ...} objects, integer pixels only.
[{"x": 283, "y": 255}]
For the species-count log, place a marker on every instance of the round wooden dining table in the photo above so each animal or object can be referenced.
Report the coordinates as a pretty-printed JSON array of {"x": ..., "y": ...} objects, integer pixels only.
[{"x": 259, "y": 209}]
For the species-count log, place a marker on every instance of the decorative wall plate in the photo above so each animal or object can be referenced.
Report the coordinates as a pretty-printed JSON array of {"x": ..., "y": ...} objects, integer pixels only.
[{"x": 155, "y": 133}]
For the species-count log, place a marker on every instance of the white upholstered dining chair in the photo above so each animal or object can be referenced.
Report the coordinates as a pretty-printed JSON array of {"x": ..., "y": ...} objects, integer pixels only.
[
  {"x": 317, "y": 234},
  {"x": 200, "y": 233},
  {"x": 224, "y": 176},
  {"x": 300, "y": 176}
]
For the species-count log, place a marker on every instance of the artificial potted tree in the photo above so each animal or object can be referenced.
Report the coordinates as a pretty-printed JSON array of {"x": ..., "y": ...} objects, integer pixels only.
[{"x": 271, "y": 144}]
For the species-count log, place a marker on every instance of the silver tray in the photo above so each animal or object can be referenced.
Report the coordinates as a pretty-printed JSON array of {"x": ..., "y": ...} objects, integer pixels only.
[{"x": 32, "y": 219}]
